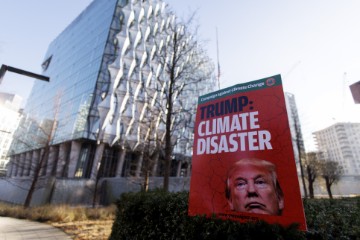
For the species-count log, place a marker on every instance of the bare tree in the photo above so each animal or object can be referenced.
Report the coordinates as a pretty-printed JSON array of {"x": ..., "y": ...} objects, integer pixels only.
[
  {"x": 43, "y": 157},
  {"x": 184, "y": 67},
  {"x": 331, "y": 171},
  {"x": 33, "y": 134},
  {"x": 150, "y": 153},
  {"x": 312, "y": 167}
]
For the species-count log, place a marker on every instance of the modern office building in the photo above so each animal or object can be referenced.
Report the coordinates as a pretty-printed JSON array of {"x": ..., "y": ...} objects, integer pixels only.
[
  {"x": 104, "y": 105},
  {"x": 10, "y": 114},
  {"x": 341, "y": 143}
]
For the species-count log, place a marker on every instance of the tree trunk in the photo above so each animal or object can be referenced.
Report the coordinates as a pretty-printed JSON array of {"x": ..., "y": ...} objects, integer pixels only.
[
  {"x": 168, "y": 152},
  {"x": 311, "y": 182},
  {"x": 311, "y": 189},
  {"x": 168, "y": 145},
  {"x": 169, "y": 109},
  {"x": 32, "y": 188},
  {"x": 328, "y": 187},
  {"x": 37, "y": 171},
  {"x": 146, "y": 181}
]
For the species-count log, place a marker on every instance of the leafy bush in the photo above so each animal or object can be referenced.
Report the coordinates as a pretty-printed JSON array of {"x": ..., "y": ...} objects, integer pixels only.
[
  {"x": 162, "y": 215},
  {"x": 333, "y": 218}
]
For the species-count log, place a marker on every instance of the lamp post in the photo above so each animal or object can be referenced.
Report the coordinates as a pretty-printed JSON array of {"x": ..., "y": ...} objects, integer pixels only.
[{"x": 5, "y": 68}]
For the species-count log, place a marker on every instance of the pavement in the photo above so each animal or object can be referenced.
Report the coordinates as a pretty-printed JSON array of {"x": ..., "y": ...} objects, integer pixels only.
[{"x": 20, "y": 229}]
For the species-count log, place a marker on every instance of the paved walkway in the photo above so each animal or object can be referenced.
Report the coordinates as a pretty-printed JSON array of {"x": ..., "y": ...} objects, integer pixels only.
[{"x": 16, "y": 229}]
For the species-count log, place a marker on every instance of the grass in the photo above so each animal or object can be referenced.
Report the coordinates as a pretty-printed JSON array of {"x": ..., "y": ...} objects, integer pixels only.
[{"x": 82, "y": 223}]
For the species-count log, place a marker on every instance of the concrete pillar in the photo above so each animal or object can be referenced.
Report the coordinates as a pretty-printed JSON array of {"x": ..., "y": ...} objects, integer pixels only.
[
  {"x": 10, "y": 167},
  {"x": 188, "y": 170},
  {"x": 43, "y": 157},
  {"x": 178, "y": 171},
  {"x": 74, "y": 157},
  {"x": 21, "y": 164},
  {"x": 97, "y": 160},
  {"x": 155, "y": 160},
  {"x": 62, "y": 159},
  {"x": 120, "y": 164},
  {"x": 139, "y": 164},
  {"x": 16, "y": 165},
  {"x": 52, "y": 160},
  {"x": 14, "y": 171},
  {"x": 31, "y": 159},
  {"x": 28, "y": 159},
  {"x": 34, "y": 162}
]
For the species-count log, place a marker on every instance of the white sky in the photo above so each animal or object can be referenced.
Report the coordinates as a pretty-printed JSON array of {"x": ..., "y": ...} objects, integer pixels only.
[{"x": 311, "y": 43}]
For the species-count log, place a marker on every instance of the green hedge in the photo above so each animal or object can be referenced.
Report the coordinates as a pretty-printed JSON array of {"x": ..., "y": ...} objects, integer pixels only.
[
  {"x": 161, "y": 215},
  {"x": 333, "y": 218}
]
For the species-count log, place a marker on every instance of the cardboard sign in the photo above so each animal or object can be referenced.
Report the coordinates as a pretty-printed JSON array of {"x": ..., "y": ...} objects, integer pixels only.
[{"x": 243, "y": 165}]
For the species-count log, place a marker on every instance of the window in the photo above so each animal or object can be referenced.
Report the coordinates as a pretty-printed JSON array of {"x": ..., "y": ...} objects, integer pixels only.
[
  {"x": 46, "y": 64},
  {"x": 85, "y": 161}
]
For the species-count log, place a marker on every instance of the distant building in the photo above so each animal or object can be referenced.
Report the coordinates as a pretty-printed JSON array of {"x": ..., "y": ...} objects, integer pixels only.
[
  {"x": 105, "y": 79},
  {"x": 295, "y": 129},
  {"x": 341, "y": 143},
  {"x": 9, "y": 120}
]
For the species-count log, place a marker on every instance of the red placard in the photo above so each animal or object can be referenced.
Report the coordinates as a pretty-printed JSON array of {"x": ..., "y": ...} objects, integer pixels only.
[{"x": 243, "y": 165}]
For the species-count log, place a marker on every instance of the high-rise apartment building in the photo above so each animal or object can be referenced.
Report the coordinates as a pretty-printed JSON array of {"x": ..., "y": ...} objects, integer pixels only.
[
  {"x": 104, "y": 104},
  {"x": 341, "y": 143}
]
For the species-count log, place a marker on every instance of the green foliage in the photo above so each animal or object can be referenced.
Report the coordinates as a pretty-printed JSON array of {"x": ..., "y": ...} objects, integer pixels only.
[
  {"x": 333, "y": 218},
  {"x": 163, "y": 215}
]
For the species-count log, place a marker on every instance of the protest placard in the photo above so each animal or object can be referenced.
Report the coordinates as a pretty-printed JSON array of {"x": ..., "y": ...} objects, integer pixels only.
[{"x": 243, "y": 165}]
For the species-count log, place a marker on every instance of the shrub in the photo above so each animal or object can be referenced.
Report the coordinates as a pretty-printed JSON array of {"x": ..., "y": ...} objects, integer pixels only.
[
  {"x": 333, "y": 218},
  {"x": 163, "y": 215},
  {"x": 16, "y": 211}
]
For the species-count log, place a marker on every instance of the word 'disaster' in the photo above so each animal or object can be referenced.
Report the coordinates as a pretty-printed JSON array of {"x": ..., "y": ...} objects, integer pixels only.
[{"x": 231, "y": 134}]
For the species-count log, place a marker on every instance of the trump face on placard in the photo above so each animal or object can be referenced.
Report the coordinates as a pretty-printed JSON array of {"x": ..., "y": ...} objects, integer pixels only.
[{"x": 252, "y": 187}]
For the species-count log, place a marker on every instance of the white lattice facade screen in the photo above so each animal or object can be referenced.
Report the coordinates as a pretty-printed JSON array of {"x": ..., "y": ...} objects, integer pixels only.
[{"x": 146, "y": 31}]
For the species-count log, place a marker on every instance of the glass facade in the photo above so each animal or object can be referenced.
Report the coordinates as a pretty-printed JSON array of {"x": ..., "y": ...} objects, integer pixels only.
[
  {"x": 9, "y": 120},
  {"x": 104, "y": 111},
  {"x": 295, "y": 129},
  {"x": 73, "y": 63}
]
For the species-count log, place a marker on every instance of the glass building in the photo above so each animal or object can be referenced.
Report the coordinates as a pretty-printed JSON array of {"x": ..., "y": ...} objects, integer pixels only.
[
  {"x": 103, "y": 106},
  {"x": 10, "y": 113},
  {"x": 295, "y": 129}
]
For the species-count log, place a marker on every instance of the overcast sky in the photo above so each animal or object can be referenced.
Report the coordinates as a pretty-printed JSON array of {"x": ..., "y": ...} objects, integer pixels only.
[{"x": 313, "y": 44}]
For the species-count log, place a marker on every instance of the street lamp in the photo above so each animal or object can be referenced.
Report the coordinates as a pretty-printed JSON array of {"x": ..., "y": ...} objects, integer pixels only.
[{"x": 5, "y": 68}]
